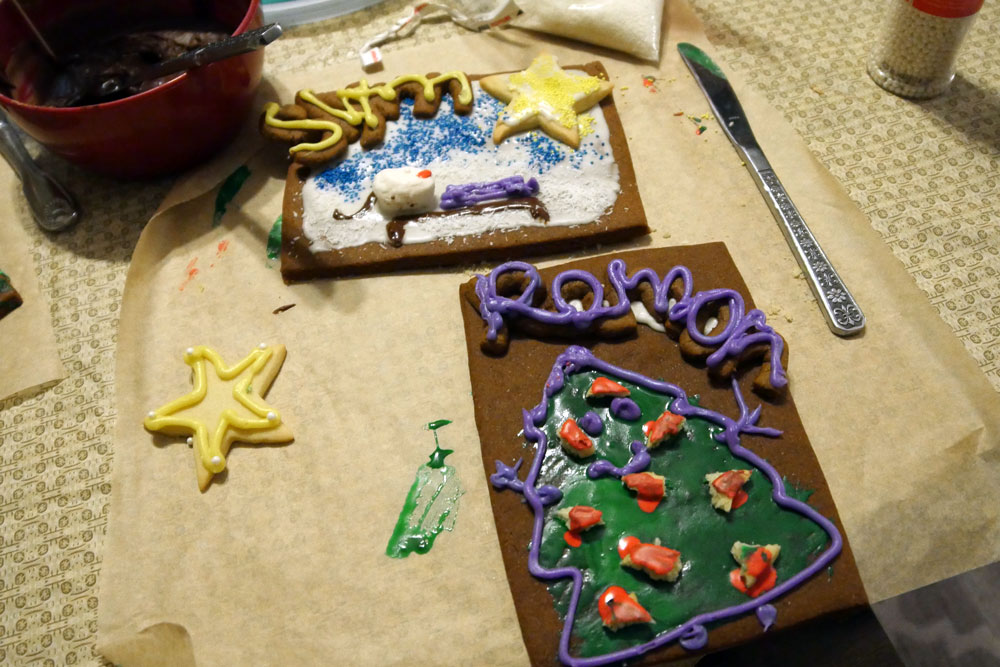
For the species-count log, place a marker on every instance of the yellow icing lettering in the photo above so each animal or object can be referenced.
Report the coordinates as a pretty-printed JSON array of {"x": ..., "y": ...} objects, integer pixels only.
[{"x": 361, "y": 95}]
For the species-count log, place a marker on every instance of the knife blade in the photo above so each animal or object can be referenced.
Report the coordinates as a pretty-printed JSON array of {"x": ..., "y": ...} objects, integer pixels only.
[{"x": 841, "y": 311}]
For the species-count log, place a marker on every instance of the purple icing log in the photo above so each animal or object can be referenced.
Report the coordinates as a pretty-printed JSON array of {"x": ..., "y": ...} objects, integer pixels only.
[{"x": 470, "y": 194}]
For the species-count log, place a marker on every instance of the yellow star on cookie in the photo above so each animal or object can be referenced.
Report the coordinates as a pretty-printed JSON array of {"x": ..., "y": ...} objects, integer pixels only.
[
  {"x": 225, "y": 406},
  {"x": 544, "y": 96}
]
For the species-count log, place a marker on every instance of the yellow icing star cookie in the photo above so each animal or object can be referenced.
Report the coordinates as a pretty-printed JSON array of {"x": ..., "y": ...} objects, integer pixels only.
[
  {"x": 544, "y": 96},
  {"x": 225, "y": 406}
]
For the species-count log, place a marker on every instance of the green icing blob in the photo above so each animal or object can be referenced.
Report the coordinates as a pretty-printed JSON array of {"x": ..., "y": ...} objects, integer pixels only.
[
  {"x": 684, "y": 520},
  {"x": 274, "y": 240},
  {"x": 431, "y": 505},
  {"x": 228, "y": 191}
]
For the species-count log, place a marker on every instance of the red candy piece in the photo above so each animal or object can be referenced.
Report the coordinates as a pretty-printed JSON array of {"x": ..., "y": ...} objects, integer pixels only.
[
  {"x": 730, "y": 484},
  {"x": 582, "y": 517},
  {"x": 579, "y": 518},
  {"x": 649, "y": 486},
  {"x": 658, "y": 561},
  {"x": 574, "y": 439},
  {"x": 740, "y": 498},
  {"x": 618, "y": 609},
  {"x": 758, "y": 566},
  {"x": 426, "y": 173},
  {"x": 602, "y": 386},
  {"x": 665, "y": 426}
]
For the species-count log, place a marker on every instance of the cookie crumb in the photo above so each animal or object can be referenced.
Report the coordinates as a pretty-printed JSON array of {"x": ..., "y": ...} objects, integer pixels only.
[{"x": 281, "y": 309}]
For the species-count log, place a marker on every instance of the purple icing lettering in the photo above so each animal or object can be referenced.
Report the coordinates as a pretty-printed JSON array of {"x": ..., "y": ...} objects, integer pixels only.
[
  {"x": 591, "y": 424},
  {"x": 743, "y": 330},
  {"x": 692, "y": 634},
  {"x": 625, "y": 408}
]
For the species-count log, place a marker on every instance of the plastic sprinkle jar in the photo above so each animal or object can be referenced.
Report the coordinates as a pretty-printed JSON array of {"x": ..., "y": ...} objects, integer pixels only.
[{"x": 916, "y": 49}]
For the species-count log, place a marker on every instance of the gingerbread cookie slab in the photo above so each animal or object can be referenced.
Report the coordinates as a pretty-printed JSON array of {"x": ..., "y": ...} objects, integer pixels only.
[
  {"x": 411, "y": 177},
  {"x": 677, "y": 557}
]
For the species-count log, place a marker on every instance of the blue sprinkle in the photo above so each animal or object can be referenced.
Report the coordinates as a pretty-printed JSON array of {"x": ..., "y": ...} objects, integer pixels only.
[{"x": 417, "y": 142}]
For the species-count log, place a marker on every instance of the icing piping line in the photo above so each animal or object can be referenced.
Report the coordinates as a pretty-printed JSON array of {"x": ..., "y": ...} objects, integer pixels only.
[
  {"x": 743, "y": 330},
  {"x": 691, "y": 634}
]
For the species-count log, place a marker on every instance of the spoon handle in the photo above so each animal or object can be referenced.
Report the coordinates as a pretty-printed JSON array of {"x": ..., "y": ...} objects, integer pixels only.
[
  {"x": 210, "y": 53},
  {"x": 51, "y": 204}
]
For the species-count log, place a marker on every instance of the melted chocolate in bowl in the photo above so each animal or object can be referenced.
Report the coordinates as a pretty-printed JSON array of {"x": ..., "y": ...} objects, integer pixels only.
[
  {"x": 164, "y": 125},
  {"x": 83, "y": 77}
]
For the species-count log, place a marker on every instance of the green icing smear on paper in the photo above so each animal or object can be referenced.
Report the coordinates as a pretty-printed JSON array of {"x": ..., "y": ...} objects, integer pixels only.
[
  {"x": 431, "y": 505},
  {"x": 227, "y": 192},
  {"x": 685, "y": 520},
  {"x": 274, "y": 240}
]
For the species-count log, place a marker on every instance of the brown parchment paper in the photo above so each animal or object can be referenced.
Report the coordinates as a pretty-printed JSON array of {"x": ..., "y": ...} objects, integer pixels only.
[
  {"x": 282, "y": 561},
  {"x": 29, "y": 356}
]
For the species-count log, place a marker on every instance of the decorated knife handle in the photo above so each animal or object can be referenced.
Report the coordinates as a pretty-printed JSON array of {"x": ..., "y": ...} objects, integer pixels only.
[{"x": 839, "y": 307}]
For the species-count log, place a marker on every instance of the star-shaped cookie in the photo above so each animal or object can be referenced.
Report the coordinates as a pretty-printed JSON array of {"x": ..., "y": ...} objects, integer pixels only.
[
  {"x": 225, "y": 406},
  {"x": 544, "y": 96}
]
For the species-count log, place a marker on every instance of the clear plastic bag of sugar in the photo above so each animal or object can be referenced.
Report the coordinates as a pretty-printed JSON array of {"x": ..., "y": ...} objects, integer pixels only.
[{"x": 632, "y": 27}]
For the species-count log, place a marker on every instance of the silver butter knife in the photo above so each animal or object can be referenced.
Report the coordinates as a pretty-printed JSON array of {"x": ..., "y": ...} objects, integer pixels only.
[{"x": 839, "y": 308}]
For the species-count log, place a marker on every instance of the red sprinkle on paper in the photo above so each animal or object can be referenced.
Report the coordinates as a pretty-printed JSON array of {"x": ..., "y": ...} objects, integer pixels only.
[
  {"x": 602, "y": 386},
  {"x": 617, "y": 608},
  {"x": 426, "y": 173},
  {"x": 679, "y": 113}
]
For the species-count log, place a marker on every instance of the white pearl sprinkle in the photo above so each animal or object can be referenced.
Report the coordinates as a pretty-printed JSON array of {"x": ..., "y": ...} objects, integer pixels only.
[
  {"x": 150, "y": 414},
  {"x": 190, "y": 442},
  {"x": 216, "y": 460},
  {"x": 271, "y": 416},
  {"x": 263, "y": 346},
  {"x": 189, "y": 351}
]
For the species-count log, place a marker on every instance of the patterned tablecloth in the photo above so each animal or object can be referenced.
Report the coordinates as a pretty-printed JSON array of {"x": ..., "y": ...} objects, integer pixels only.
[{"x": 925, "y": 173}]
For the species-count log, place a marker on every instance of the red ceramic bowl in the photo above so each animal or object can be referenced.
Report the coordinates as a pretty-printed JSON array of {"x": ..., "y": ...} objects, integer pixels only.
[{"x": 166, "y": 129}]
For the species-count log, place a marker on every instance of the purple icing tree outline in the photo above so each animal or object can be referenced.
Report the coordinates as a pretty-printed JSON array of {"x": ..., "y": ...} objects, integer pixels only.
[
  {"x": 692, "y": 635},
  {"x": 743, "y": 330}
]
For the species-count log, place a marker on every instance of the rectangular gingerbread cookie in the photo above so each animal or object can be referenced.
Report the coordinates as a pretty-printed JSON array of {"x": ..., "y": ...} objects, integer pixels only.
[
  {"x": 447, "y": 193},
  {"x": 646, "y": 459}
]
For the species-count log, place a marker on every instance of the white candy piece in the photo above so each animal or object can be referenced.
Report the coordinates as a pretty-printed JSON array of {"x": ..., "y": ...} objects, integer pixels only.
[{"x": 400, "y": 191}]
